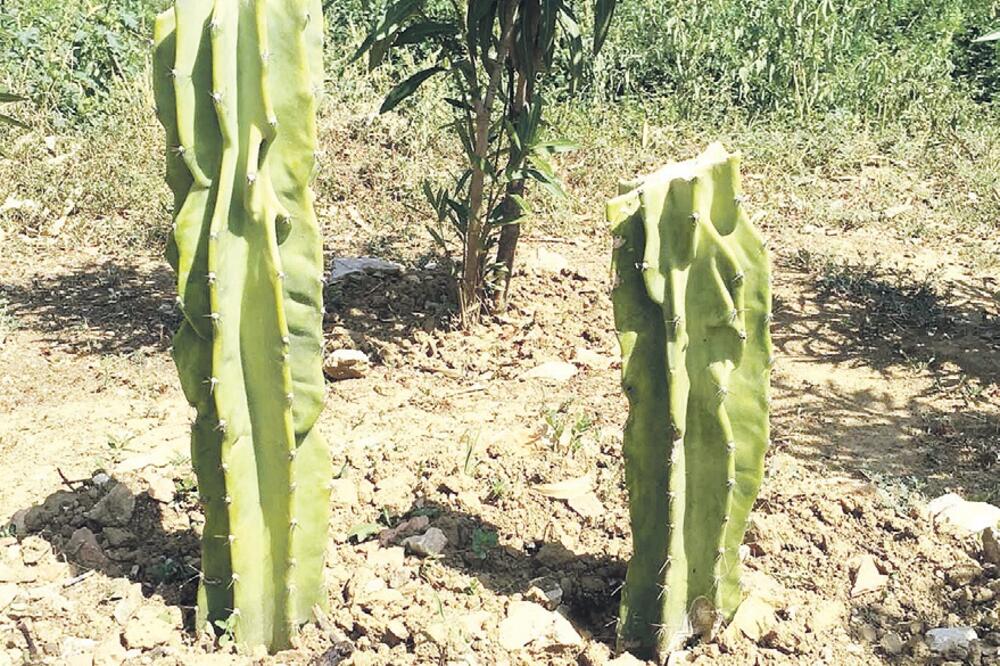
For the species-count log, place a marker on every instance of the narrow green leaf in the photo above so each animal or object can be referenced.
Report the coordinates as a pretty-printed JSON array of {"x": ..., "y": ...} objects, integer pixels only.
[
  {"x": 407, "y": 88},
  {"x": 602, "y": 22}
]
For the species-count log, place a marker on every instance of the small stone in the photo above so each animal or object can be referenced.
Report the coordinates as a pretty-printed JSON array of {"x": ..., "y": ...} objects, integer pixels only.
[
  {"x": 946, "y": 639},
  {"x": 147, "y": 629},
  {"x": 962, "y": 574},
  {"x": 587, "y": 505},
  {"x": 109, "y": 652},
  {"x": 892, "y": 643},
  {"x": 867, "y": 577},
  {"x": 408, "y": 527},
  {"x": 131, "y": 599},
  {"x": 77, "y": 650},
  {"x": 8, "y": 592},
  {"x": 991, "y": 545},
  {"x": 868, "y": 633},
  {"x": 546, "y": 261},
  {"x": 550, "y": 596},
  {"x": 556, "y": 372},
  {"x": 100, "y": 479},
  {"x": 554, "y": 555},
  {"x": 562, "y": 631},
  {"x": 115, "y": 508},
  {"x": 83, "y": 549},
  {"x": 158, "y": 487},
  {"x": 525, "y": 622},
  {"x": 591, "y": 359},
  {"x": 346, "y": 364},
  {"x": 429, "y": 544},
  {"x": 344, "y": 492},
  {"x": 396, "y": 632},
  {"x": 117, "y": 537},
  {"x": 955, "y": 514},
  {"x": 754, "y": 618}
]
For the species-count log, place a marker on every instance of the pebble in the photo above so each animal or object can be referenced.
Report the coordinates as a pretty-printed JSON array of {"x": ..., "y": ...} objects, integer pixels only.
[
  {"x": 555, "y": 372},
  {"x": 991, "y": 545},
  {"x": 429, "y": 544},
  {"x": 115, "y": 508},
  {"x": 83, "y": 549},
  {"x": 946, "y": 639},
  {"x": 346, "y": 364},
  {"x": 109, "y": 652},
  {"x": 892, "y": 643},
  {"x": 867, "y": 577},
  {"x": 525, "y": 622}
]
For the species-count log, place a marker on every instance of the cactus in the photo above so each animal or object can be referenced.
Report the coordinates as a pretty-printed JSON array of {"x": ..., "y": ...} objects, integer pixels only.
[
  {"x": 692, "y": 306},
  {"x": 236, "y": 85}
]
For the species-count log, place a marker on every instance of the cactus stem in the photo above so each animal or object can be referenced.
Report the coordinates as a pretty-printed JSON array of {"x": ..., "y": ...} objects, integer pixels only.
[
  {"x": 617, "y": 242},
  {"x": 251, "y": 177},
  {"x": 216, "y": 96},
  {"x": 294, "y": 523},
  {"x": 212, "y": 383},
  {"x": 221, "y": 426},
  {"x": 210, "y": 278}
]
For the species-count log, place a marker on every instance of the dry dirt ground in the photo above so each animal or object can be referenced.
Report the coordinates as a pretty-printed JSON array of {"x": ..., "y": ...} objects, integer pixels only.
[{"x": 885, "y": 395}]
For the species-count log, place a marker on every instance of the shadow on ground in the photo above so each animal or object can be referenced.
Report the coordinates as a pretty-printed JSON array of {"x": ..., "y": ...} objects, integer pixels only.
[
  {"x": 890, "y": 377},
  {"x": 100, "y": 308}
]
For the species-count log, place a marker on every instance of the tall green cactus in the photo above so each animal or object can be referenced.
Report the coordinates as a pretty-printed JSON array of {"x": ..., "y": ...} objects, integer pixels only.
[
  {"x": 692, "y": 303},
  {"x": 236, "y": 84}
]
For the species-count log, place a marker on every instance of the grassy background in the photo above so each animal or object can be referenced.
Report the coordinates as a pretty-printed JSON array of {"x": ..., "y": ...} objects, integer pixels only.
[{"x": 844, "y": 111}]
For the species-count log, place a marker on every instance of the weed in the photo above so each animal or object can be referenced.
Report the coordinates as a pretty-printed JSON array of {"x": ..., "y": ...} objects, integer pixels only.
[{"x": 483, "y": 541}]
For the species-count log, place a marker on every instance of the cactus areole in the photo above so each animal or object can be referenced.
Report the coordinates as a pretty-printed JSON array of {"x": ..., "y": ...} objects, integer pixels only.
[
  {"x": 236, "y": 84},
  {"x": 692, "y": 304}
]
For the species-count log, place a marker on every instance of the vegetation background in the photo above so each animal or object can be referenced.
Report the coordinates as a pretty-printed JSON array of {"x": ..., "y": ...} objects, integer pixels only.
[{"x": 799, "y": 85}]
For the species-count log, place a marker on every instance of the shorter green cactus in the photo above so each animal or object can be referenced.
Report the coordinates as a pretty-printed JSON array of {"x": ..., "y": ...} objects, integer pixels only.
[{"x": 692, "y": 304}]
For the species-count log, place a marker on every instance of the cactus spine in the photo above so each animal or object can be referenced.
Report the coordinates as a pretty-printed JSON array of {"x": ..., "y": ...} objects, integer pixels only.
[
  {"x": 692, "y": 305},
  {"x": 236, "y": 85}
]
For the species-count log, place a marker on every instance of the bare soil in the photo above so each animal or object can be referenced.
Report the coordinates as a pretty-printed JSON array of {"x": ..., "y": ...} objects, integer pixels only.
[{"x": 885, "y": 395}]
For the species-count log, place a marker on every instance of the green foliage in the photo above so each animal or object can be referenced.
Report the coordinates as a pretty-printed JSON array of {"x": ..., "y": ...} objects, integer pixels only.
[
  {"x": 492, "y": 52},
  {"x": 7, "y": 98},
  {"x": 483, "y": 541},
  {"x": 802, "y": 56},
  {"x": 67, "y": 56}
]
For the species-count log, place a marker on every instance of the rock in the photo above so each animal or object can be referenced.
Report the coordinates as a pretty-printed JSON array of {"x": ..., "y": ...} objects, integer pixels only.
[
  {"x": 131, "y": 600},
  {"x": 158, "y": 487},
  {"x": 546, "y": 261},
  {"x": 947, "y": 639},
  {"x": 562, "y": 631},
  {"x": 955, "y": 514},
  {"x": 826, "y": 616},
  {"x": 547, "y": 593},
  {"x": 115, "y": 508},
  {"x": 83, "y": 549},
  {"x": 341, "y": 267},
  {"x": 117, "y": 537},
  {"x": 8, "y": 592},
  {"x": 396, "y": 632},
  {"x": 346, "y": 364},
  {"x": 963, "y": 573},
  {"x": 554, "y": 555},
  {"x": 344, "y": 492},
  {"x": 408, "y": 527},
  {"x": 591, "y": 359},
  {"x": 100, "y": 479},
  {"x": 18, "y": 523},
  {"x": 892, "y": 643},
  {"x": 429, "y": 544},
  {"x": 991, "y": 545},
  {"x": 555, "y": 372},
  {"x": 109, "y": 652},
  {"x": 587, "y": 505},
  {"x": 753, "y": 619},
  {"x": 867, "y": 577},
  {"x": 525, "y": 622},
  {"x": 147, "y": 629}
]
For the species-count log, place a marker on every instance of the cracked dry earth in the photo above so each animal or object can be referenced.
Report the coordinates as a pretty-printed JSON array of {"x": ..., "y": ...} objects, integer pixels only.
[{"x": 884, "y": 397}]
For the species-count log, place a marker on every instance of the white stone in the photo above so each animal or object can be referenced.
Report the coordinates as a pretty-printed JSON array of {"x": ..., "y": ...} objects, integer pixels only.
[
  {"x": 346, "y": 364},
  {"x": 951, "y": 511},
  {"x": 555, "y": 372},
  {"x": 525, "y": 622},
  {"x": 945, "y": 639},
  {"x": 344, "y": 266},
  {"x": 429, "y": 544}
]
